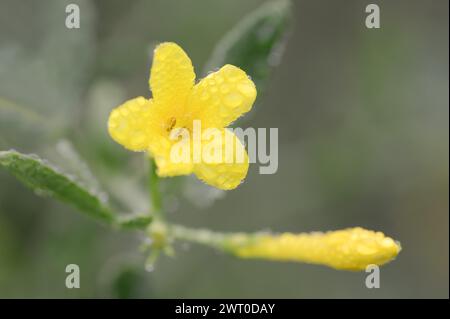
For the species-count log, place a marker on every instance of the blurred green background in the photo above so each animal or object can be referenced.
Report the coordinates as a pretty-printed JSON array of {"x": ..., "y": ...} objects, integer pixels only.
[{"x": 363, "y": 141}]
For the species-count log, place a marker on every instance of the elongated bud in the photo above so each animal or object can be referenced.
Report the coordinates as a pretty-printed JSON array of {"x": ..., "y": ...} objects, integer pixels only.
[{"x": 348, "y": 249}]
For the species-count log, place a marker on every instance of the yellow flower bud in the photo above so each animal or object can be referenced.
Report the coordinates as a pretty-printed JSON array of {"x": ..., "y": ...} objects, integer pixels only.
[{"x": 348, "y": 249}]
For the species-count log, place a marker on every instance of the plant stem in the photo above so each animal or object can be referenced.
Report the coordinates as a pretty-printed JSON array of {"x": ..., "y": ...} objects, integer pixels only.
[
  {"x": 199, "y": 236},
  {"x": 155, "y": 194}
]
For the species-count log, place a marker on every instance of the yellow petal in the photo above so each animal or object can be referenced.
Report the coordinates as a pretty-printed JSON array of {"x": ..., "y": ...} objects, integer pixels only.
[
  {"x": 348, "y": 249},
  {"x": 130, "y": 124},
  {"x": 167, "y": 167},
  {"x": 230, "y": 169},
  {"x": 172, "y": 76},
  {"x": 222, "y": 97}
]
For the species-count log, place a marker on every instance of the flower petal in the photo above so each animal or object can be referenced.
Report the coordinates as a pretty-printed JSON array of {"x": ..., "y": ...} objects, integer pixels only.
[
  {"x": 222, "y": 97},
  {"x": 172, "y": 75},
  {"x": 161, "y": 151},
  {"x": 130, "y": 124},
  {"x": 230, "y": 169},
  {"x": 166, "y": 168}
]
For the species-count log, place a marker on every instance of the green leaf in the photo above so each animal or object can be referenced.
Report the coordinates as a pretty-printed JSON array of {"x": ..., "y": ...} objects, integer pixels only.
[
  {"x": 255, "y": 44},
  {"x": 134, "y": 221},
  {"x": 48, "y": 180}
]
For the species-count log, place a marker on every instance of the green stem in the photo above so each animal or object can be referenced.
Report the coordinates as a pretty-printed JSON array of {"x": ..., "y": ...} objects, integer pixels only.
[
  {"x": 217, "y": 240},
  {"x": 155, "y": 194}
]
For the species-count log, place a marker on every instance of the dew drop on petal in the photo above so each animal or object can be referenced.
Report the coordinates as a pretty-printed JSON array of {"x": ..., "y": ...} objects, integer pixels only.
[
  {"x": 204, "y": 96},
  {"x": 123, "y": 125},
  {"x": 112, "y": 124},
  {"x": 135, "y": 107},
  {"x": 366, "y": 250},
  {"x": 388, "y": 242},
  {"x": 224, "y": 88},
  {"x": 246, "y": 88},
  {"x": 124, "y": 111},
  {"x": 219, "y": 79},
  {"x": 233, "y": 99},
  {"x": 114, "y": 115},
  {"x": 138, "y": 138}
]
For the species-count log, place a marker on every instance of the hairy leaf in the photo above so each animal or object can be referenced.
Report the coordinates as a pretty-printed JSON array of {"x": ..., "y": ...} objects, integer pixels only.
[{"x": 48, "y": 180}]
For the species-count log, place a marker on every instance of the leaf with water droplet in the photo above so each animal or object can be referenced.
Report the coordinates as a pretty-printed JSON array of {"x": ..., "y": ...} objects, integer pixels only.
[{"x": 48, "y": 180}]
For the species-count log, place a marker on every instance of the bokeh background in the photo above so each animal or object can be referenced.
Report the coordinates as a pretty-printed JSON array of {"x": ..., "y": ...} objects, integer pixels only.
[{"x": 363, "y": 134}]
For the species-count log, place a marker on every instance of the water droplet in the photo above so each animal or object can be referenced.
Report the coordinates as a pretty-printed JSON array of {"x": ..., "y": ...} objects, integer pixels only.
[
  {"x": 366, "y": 250},
  {"x": 228, "y": 70},
  {"x": 124, "y": 111},
  {"x": 232, "y": 73},
  {"x": 123, "y": 125},
  {"x": 112, "y": 124},
  {"x": 114, "y": 115},
  {"x": 387, "y": 242},
  {"x": 233, "y": 99},
  {"x": 141, "y": 101},
  {"x": 138, "y": 138},
  {"x": 151, "y": 260},
  {"x": 135, "y": 107},
  {"x": 246, "y": 88},
  {"x": 224, "y": 88},
  {"x": 204, "y": 96},
  {"x": 219, "y": 79}
]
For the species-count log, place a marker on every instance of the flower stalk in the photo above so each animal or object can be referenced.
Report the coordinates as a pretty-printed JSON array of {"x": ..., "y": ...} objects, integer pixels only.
[
  {"x": 349, "y": 249},
  {"x": 154, "y": 191}
]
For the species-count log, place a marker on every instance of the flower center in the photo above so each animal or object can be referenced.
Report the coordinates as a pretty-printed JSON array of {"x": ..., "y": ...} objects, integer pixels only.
[{"x": 171, "y": 123}]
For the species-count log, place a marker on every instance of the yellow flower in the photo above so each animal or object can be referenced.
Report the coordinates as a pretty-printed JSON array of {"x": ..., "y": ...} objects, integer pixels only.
[
  {"x": 348, "y": 249},
  {"x": 142, "y": 124}
]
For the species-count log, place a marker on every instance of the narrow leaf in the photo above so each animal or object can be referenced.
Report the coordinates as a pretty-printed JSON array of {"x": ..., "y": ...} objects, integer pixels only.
[
  {"x": 255, "y": 44},
  {"x": 46, "y": 179}
]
